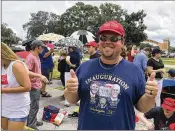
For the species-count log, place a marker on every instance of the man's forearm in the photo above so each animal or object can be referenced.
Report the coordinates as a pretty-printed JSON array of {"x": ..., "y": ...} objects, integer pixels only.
[
  {"x": 32, "y": 74},
  {"x": 71, "y": 97},
  {"x": 145, "y": 104},
  {"x": 48, "y": 54},
  {"x": 142, "y": 118}
]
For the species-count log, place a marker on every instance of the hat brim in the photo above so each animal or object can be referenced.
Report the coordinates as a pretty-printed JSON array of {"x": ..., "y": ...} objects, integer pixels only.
[
  {"x": 90, "y": 45},
  {"x": 168, "y": 107},
  {"x": 109, "y": 30}
]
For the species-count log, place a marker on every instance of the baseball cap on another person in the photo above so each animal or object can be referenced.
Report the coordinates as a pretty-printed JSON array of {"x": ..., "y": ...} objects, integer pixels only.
[
  {"x": 169, "y": 104},
  {"x": 172, "y": 126},
  {"x": 92, "y": 43},
  {"x": 156, "y": 51},
  {"x": 37, "y": 43},
  {"x": 112, "y": 26},
  {"x": 171, "y": 72}
]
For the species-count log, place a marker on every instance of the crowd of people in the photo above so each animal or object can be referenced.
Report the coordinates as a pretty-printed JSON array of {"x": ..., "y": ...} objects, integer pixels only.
[{"x": 116, "y": 81}]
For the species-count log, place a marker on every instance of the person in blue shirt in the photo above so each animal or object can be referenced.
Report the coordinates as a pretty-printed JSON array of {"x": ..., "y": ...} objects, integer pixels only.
[
  {"x": 46, "y": 67},
  {"x": 141, "y": 59},
  {"x": 121, "y": 86},
  {"x": 73, "y": 61}
]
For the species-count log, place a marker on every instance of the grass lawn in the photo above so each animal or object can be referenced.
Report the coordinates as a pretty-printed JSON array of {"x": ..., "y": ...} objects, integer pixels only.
[
  {"x": 169, "y": 61},
  {"x": 56, "y": 73}
]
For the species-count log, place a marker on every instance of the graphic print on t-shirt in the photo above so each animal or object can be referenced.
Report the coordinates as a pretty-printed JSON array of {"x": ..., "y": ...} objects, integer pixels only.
[
  {"x": 4, "y": 80},
  {"x": 104, "y": 97}
]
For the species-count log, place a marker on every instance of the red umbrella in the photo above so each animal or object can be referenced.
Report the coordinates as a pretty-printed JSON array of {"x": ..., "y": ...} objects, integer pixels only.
[{"x": 23, "y": 54}]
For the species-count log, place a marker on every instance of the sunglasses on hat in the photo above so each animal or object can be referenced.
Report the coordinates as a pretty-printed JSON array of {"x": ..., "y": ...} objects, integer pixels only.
[{"x": 112, "y": 38}]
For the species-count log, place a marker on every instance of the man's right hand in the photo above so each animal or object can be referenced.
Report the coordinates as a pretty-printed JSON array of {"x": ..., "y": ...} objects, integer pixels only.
[
  {"x": 72, "y": 83},
  {"x": 51, "y": 50}
]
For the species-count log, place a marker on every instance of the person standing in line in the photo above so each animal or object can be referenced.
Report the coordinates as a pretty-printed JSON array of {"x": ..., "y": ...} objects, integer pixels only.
[
  {"x": 155, "y": 64},
  {"x": 62, "y": 67},
  {"x": 92, "y": 49},
  {"x": 34, "y": 65},
  {"x": 110, "y": 69},
  {"x": 73, "y": 61},
  {"x": 141, "y": 60},
  {"x": 46, "y": 67},
  {"x": 132, "y": 52},
  {"x": 15, "y": 89}
]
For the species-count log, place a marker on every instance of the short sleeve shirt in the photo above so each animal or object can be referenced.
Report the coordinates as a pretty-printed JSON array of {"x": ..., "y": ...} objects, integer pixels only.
[
  {"x": 156, "y": 65},
  {"x": 46, "y": 62},
  {"x": 107, "y": 96},
  {"x": 34, "y": 65}
]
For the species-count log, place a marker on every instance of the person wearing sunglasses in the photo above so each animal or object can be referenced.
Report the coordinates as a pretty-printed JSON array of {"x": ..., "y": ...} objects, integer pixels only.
[
  {"x": 163, "y": 116},
  {"x": 110, "y": 69},
  {"x": 92, "y": 49}
]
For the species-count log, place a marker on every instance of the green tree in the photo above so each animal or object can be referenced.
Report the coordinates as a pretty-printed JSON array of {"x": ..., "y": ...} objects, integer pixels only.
[
  {"x": 172, "y": 49},
  {"x": 109, "y": 11},
  {"x": 79, "y": 17},
  {"x": 134, "y": 27},
  {"x": 40, "y": 23},
  {"x": 8, "y": 36}
]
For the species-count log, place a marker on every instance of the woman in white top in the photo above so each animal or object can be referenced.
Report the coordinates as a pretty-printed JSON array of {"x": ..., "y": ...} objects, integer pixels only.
[{"x": 15, "y": 90}]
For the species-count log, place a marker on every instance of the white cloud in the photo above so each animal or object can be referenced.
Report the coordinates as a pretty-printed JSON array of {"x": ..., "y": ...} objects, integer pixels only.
[{"x": 159, "y": 20}]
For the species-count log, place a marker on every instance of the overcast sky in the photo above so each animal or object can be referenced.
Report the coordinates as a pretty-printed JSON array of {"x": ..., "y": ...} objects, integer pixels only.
[{"x": 159, "y": 20}]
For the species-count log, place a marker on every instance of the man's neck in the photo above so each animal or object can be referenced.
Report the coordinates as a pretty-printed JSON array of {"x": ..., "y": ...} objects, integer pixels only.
[
  {"x": 111, "y": 62},
  {"x": 168, "y": 116},
  {"x": 35, "y": 53},
  {"x": 156, "y": 58},
  {"x": 93, "y": 52}
]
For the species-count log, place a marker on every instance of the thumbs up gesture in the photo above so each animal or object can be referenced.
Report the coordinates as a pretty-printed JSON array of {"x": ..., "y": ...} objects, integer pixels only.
[
  {"x": 72, "y": 83},
  {"x": 151, "y": 86}
]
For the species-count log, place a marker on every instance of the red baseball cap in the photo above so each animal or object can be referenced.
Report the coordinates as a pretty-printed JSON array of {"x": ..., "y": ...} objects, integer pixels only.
[
  {"x": 113, "y": 26},
  {"x": 92, "y": 43},
  {"x": 169, "y": 104},
  {"x": 172, "y": 126}
]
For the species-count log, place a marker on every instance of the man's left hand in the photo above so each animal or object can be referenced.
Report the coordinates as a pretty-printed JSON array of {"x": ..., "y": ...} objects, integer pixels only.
[{"x": 151, "y": 86}]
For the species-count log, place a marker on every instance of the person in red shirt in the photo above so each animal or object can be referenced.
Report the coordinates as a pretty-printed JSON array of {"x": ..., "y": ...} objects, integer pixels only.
[{"x": 132, "y": 52}]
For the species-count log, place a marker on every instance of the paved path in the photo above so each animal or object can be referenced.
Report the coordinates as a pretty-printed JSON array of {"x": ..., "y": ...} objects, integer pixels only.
[{"x": 68, "y": 123}]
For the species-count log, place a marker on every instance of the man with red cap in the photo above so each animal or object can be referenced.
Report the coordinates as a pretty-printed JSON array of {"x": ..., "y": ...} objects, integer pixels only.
[
  {"x": 164, "y": 117},
  {"x": 110, "y": 69},
  {"x": 92, "y": 49}
]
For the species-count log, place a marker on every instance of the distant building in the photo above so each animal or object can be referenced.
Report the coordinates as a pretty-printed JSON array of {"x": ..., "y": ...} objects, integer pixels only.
[{"x": 163, "y": 46}]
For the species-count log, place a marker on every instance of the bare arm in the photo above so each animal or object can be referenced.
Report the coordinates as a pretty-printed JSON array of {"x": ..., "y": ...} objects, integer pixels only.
[
  {"x": 48, "y": 53},
  {"x": 68, "y": 61},
  {"x": 145, "y": 103},
  {"x": 150, "y": 70},
  {"x": 43, "y": 78},
  {"x": 71, "y": 96},
  {"x": 145, "y": 121},
  {"x": 22, "y": 78},
  {"x": 71, "y": 91}
]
